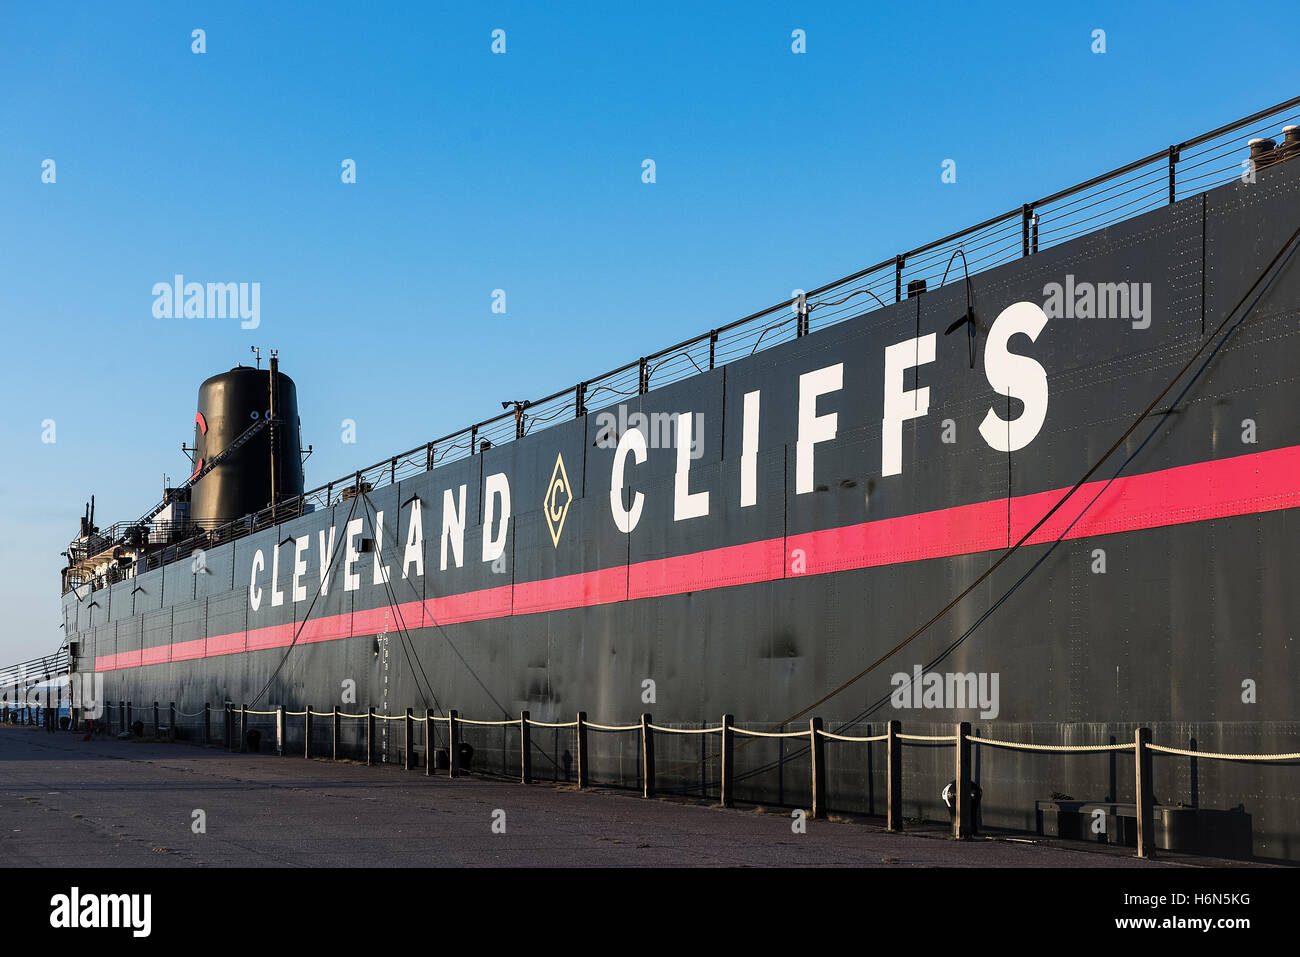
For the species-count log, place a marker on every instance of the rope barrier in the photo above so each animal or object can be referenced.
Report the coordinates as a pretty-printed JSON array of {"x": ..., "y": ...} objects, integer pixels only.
[
  {"x": 614, "y": 727},
  {"x": 843, "y": 737},
  {"x": 323, "y": 714},
  {"x": 1019, "y": 746},
  {"x": 186, "y": 714},
  {"x": 296, "y": 714},
  {"x": 495, "y": 723},
  {"x": 771, "y": 734},
  {"x": 547, "y": 724},
  {"x": 251, "y": 711},
  {"x": 1225, "y": 757},
  {"x": 928, "y": 737},
  {"x": 687, "y": 730},
  {"x": 345, "y": 714}
]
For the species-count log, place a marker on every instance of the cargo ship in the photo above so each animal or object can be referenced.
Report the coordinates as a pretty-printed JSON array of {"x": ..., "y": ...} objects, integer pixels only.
[{"x": 1039, "y": 475}]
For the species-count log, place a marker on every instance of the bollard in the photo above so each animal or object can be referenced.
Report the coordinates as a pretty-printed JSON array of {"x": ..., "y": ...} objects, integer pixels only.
[
  {"x": 453, "y": 764},
  {"x": 336, "y": 732},
  {"x": 728, "y": 766},
  {"x": 647, "y": 757},
  {"x": 525, "y": 749},
  {"x": 817, "y": 746},
  {"x": 370, "y": 735},
  {"x": 207, "y": 723},
  {"x": 429, "y": 757},
  {"x": 963, "y": 820},
  {"x": 1146, "y": 834},
  {"x": 410, "y": 753},
  {"x": 894, "y": 775},
  {"x": 306, "y": 732},
  {"x": 584, "y": 772},
  {"x": 155, "y": 719},
  {"x": 243, "y": 725}
]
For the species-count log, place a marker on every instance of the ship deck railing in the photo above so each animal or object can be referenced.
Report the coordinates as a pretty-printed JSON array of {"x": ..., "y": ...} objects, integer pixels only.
[{"x": 1176, "y": 172}]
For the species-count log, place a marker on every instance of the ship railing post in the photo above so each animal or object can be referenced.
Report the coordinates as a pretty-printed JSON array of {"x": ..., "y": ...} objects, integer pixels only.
[
  {"x": 525, "y": 749},
  {"x": 1145, "y": 794},
  {"x": 453, "y": 732},
  {"x": 962, "y": 818},
  {"x": 647, "y": 757},
  {"x": 728, "y": 756},
  {"x": 336, "y": 733},
  {"x": 306, "y": 731},
  {"x": 584, "y": 760},
  {"x": 370, "y": 735},
  {"x": 281, "y": 732},
  {"x": 1025, "y": 213},
  {"x": 817, "y": 745},
  {"x": 428, "y": 742},
  {"x": 410, "y": 745},
  {"x": 894, "y": 774},
  {"x": 243, "y": 725}
]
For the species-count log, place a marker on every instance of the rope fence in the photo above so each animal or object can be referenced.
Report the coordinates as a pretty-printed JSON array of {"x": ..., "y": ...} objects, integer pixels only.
[{"x": 233, "y": 733}]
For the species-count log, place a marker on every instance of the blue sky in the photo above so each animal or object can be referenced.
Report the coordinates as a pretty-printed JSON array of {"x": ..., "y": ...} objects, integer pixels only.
[{"x": 519, "y": 171}]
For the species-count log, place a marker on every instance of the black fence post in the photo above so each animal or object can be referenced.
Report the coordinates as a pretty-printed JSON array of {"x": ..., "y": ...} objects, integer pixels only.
[
  {"x": 370, "y": 735},
  {"x": 963, "y": 818},
  {"x": 525, "y": 749},
  {"x": 410, "y": 748},
  {"x": 647, "y": 757},
  {"x": 336, "y": 733},
  {"x": 429, "y": 758},
  {"x": 243, "y": 725},
  {"x": 281, "y": 732},
  {"x": 129, "y": 715},
  {"x": 1146, "y": 833},
  {"x": 894, "y": 774},
  {"x": 207, "y": 723},
  {"x": 818, "y": 747},
  {"x": 453, "y": 729},
  {"x": 728, "y": 766},
  {"x": 155, "y": 719},
  {"x": 121, "y": 715},
  {"x": 228, "y": 725},
  {"x": 584, "y": 770},
  {"x": 306, "y": 731},
  {"x": 171, "y": 717}
]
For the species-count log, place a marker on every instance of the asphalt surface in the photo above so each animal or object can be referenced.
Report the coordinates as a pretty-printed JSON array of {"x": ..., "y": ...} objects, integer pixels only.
[{"x": 110, "y": 803}]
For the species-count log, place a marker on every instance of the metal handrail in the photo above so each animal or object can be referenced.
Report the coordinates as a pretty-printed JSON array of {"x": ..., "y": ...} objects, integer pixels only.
[{"x": 892, "y": 271}]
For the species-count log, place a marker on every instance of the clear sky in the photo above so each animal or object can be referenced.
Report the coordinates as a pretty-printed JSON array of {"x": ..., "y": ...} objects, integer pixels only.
[{"x": 519, "y": 171}]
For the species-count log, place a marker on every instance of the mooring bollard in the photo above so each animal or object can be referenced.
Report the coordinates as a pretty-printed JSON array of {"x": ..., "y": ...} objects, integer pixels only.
[
  {"x": 728, "y": 755},
  {"x": 963, "y": 817},
  {"x": 647, "y": 757},
  {"x": 817, "y": 745},
  {"x": 1146, "y": 834},
  {"x": 453, "y": 735},
  {"x": 894, "y": 775},
  {"x": 584, "y": 770},
  {"x": 525, "y": 749}
]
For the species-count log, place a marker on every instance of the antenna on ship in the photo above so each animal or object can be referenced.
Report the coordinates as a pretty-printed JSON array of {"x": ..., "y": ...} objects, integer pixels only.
[
  {"x": 257, "y": 353},
  {"x": 275, "y": 435}
]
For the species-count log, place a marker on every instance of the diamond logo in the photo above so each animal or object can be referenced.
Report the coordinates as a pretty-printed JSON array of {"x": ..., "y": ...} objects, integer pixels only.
[{"x": 559, "y": 496}]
